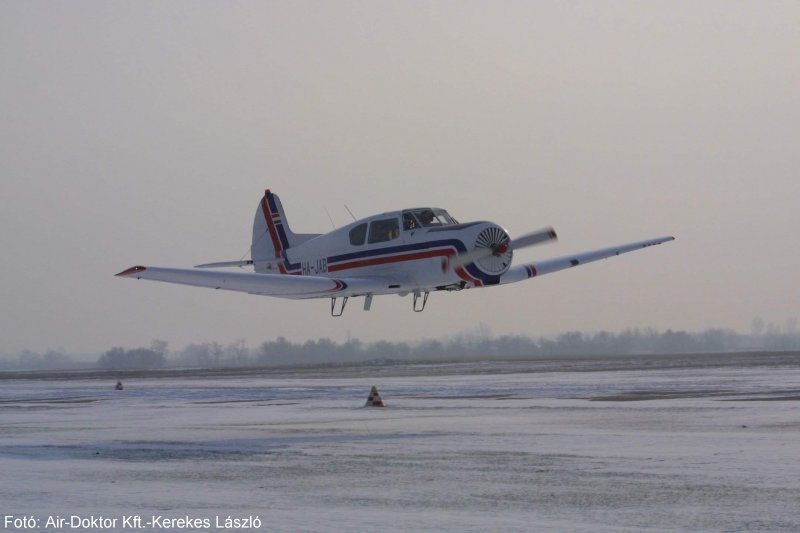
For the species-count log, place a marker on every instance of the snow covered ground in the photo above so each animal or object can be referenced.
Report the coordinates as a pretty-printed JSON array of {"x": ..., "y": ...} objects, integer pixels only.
[{"x": 462, "y": 447}]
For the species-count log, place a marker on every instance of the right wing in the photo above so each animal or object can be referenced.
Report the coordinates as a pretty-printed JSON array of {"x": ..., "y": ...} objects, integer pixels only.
[
  {"x": 540, "y": 268},
  {"x": 279, "y": 285}
]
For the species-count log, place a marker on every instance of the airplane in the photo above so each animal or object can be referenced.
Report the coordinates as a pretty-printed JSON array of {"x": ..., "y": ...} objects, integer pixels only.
[{"x": 414, "y": 251}]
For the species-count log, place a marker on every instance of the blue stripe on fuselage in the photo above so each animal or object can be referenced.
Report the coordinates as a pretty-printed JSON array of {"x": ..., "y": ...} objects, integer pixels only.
[{"x": 472, "y": 269}]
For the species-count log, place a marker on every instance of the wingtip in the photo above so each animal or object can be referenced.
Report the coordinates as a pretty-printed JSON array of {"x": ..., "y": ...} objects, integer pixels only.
[{"x": 132, "y": 270}]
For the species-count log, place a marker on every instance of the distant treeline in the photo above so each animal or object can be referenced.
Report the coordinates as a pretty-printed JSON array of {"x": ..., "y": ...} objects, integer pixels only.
[{"x": 473, "y": 345}]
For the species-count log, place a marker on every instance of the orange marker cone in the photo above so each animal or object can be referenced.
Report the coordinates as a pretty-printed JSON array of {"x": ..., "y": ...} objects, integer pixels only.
[{"x": 374, "y": 399}]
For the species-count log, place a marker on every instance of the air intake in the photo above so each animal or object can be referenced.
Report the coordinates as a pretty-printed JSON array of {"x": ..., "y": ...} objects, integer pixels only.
[{"x": 499, "y": 260}]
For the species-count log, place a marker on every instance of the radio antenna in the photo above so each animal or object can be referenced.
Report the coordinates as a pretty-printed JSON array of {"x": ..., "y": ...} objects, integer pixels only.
[
  {"x": 351, "y": 213},
  {"x": 330, "y": 218}
]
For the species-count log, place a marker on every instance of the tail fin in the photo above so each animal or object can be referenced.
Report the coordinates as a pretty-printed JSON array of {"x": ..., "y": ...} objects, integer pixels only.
[{"x": 271, "y": 234}]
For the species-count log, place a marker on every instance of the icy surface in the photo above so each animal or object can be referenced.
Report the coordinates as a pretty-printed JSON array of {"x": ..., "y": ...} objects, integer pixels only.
[{"x": 468, "y": 447}]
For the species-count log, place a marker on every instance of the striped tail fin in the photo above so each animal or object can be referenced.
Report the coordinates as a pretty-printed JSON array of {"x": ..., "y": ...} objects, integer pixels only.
[{"x": 272, "y": 237}]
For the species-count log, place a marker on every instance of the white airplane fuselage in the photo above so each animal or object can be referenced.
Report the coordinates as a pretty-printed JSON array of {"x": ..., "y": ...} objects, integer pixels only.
[{"x": 411, "y": 257}]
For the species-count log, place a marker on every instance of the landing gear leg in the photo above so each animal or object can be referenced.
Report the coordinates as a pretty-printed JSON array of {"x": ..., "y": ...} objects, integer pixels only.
[
  {"x": 340, "y": 310},
  {"x": 418, "y": 308}
]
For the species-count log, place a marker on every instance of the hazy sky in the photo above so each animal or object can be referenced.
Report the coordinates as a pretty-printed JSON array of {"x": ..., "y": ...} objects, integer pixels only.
[{"x": 145, "y": 133}]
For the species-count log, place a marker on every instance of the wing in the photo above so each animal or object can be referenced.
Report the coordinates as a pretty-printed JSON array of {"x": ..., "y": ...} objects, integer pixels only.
[
  {"x": 540, "y": 268},
  {"x": 279, "y": 285}
]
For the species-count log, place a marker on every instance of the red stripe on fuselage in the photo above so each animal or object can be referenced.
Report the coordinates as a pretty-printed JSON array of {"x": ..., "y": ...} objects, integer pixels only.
[
  {"x": 389, "y": 259},
  {"x": 466, "y": 277},
  {"x": 401, "y": 258}
]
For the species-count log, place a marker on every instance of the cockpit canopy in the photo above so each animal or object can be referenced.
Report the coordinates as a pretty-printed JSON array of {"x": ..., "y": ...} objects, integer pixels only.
[
  {"x": 426, "y": 217},
  {"x": 386, "y": 227}
]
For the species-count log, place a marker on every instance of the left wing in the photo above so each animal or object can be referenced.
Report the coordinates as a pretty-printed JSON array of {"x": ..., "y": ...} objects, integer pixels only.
[
  {"x": 279, "y": 285},
  {"x": 540, "y": 268}
]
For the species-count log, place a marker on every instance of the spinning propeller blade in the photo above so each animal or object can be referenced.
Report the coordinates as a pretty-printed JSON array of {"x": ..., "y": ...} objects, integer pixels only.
[{"x": 544, "y": 235}]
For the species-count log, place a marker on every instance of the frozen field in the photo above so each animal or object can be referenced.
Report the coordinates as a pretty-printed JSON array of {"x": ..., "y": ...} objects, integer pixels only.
[{"x": 613, "y": 444}]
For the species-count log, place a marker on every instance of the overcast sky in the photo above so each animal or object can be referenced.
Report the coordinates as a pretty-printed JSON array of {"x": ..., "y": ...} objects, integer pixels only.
[{"x": 145, "y": 133}]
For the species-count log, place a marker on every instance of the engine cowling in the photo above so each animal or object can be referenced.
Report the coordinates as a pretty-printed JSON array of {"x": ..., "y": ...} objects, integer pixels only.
[{"x": 499, "y": 261}]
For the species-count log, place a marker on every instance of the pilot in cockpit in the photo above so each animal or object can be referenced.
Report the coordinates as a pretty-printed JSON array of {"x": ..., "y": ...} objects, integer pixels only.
[
  {"x": 408, "y": 221},
  {"x": 426, "y": 217}
]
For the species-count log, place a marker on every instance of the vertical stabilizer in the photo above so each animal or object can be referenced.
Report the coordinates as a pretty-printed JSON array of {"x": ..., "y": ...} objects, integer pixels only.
[{"x": 272, "y": 237}]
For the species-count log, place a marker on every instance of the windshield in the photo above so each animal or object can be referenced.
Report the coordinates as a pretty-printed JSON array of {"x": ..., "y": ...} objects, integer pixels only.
[{"x": 433, "y": 217}]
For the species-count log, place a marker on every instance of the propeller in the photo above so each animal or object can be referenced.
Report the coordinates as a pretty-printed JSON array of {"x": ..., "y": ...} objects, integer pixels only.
[{"x": 497, "y": 249}]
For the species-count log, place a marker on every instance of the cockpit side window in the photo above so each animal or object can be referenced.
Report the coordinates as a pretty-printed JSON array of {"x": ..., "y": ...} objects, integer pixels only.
[
  {"x": 434, "y": 217},
  {"x": 384, "y": 230},
  {"x": 444, "y": 215},
  {"x": 409, "y": 222},
  {"x": 358, "y": 234}
]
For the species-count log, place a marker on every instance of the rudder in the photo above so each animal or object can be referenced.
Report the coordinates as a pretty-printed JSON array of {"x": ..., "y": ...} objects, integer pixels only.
[{"x": 272, "y": 236}]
